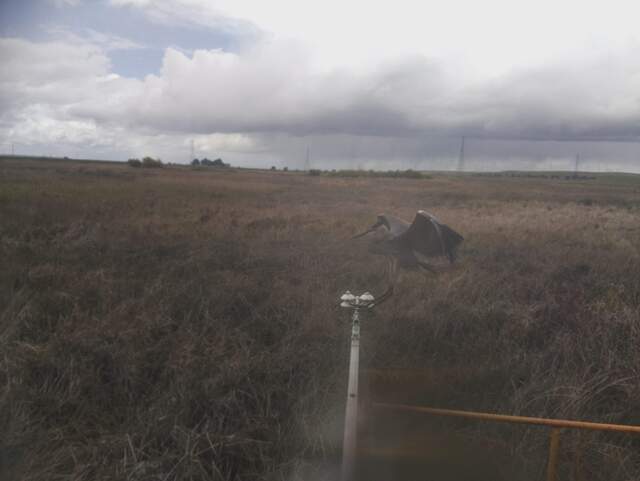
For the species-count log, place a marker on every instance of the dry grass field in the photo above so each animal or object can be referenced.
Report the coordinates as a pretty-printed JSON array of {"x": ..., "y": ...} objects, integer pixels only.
[{"x": 170, "y": 324}]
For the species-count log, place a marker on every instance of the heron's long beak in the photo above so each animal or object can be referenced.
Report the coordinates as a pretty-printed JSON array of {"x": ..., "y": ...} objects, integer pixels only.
[
  {"x": 363, "y": 233},
  {"x": 369, "y": 230}
]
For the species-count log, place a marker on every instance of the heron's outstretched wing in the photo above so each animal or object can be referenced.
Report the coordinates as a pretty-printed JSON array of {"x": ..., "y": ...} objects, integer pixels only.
[
  {"x": 429, "y": 237},
  {"x": 396, "y": 226}
]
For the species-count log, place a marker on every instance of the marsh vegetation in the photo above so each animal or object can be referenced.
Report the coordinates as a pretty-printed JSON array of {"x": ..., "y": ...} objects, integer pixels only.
[{"x": 180, "y": 324}]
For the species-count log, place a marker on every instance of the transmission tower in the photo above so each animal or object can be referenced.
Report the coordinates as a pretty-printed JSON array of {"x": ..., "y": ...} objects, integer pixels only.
[
  {"x": 307, "y": 163},
  {"x": 461, "y": 157}
]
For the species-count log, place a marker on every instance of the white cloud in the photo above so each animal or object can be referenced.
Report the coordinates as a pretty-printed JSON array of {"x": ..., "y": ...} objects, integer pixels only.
[
  {"x": 44, "y": 84},
  {"x": 40, "y": 82},
  {"x": 490, "y": 37},
  {"x": 40, "y": 63},
  {"x": 43, "y": 123},
  {"x": 50, "y": 73}
]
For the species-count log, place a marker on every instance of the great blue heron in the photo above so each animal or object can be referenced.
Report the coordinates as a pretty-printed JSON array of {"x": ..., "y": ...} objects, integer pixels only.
[{"x": 410, "y": 245}]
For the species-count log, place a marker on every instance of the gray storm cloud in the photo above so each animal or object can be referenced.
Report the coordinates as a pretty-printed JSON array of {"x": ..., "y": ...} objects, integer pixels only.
[
  {"x": 273, "y": 89},
  {"x": 272, "y": 92}
]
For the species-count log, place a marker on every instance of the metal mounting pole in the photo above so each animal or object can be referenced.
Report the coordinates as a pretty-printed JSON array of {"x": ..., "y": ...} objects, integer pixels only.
[
  {"x": 351, "y": 413},
  {"x": 350, "y": 439},
  {"x": 554, "y": 445}
]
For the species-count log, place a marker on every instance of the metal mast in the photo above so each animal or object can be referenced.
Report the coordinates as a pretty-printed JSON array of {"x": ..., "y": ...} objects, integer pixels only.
[{"x": 350, "y": 439}]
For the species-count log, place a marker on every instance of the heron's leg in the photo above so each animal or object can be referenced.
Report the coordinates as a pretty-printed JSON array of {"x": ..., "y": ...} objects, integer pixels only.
[
  {"x": 384, "y": 296},
  {"x": 394, "y": 271},
  {"x": 451, "y": 255},
  {"x": 391, "y": 273}
]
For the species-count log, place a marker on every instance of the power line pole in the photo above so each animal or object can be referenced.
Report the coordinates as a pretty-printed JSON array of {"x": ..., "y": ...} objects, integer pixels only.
[
  {"x": 461, "y": 156},
  {"x": 192, "y": 151},
  {"x": 575, "y": 170}
]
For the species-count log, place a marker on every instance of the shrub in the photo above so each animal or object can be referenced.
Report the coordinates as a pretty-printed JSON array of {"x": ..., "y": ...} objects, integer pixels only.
[
  {"x": 213, "y": 163},
  {"x": 405, "y": 174},
  {"x": 195, "y": 162},
  {"x": 134, "y": 163},
  {"x": 150, "y": 162}
]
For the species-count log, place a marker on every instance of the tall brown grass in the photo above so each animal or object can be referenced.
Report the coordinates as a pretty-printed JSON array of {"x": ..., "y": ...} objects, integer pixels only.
[{"x": 177, "y": 324}]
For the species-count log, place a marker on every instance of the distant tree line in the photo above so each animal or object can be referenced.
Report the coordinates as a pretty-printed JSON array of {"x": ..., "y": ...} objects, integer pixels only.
[
  {"x": 536, "y": 175},
  {"x": 404, "y": 174},
  {"x": 150, "y": 162},
  {"x": 208, "y": 163},
  {"x": 147, "y": 162}
]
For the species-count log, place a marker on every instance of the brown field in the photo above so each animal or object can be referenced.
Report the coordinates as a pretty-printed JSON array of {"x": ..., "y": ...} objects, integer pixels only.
[{"x": 176, "y": 324}]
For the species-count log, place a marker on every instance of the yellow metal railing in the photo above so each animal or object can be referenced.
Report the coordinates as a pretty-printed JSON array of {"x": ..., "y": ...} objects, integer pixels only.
[{"x": 556, "y": 424}]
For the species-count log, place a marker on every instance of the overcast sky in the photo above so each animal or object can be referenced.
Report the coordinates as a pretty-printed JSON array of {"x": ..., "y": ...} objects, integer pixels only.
[{"x": 360, "y": 84}]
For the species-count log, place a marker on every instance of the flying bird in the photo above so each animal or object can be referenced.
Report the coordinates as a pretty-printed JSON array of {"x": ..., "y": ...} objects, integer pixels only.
[{"x": 411, "y": 245}]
